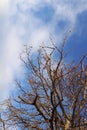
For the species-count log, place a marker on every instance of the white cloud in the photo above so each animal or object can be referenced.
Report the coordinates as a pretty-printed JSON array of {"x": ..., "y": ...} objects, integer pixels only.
[
  {"x": 5, "y": 77},
  {"x": 38, "y": 37},
  {"x": 12, "y": 48},
  {"x": 4, "y": 6},
  {"x": 10, "y": 61}
]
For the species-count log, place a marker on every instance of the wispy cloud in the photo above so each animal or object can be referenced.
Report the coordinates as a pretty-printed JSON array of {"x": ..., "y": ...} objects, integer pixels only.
[
  {"x": 32, "y": 22},
  {"x": 4, "y": 6}
]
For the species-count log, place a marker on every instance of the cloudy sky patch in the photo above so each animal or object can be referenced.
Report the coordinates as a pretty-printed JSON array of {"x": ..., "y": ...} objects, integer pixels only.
[{"x": 32, "y": 22}]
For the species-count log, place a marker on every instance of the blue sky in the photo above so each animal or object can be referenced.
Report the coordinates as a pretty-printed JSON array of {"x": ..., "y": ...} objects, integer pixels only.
[{"x": 32, "y": 22}]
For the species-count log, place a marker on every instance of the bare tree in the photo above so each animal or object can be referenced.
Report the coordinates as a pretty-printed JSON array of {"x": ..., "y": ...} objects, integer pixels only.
[
  {"x": 3, "y": 117},
  {"x": 53, "y": 94}
]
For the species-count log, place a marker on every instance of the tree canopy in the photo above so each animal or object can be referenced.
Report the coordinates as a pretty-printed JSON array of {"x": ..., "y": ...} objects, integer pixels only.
[{"x": 53, "y": 95}]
